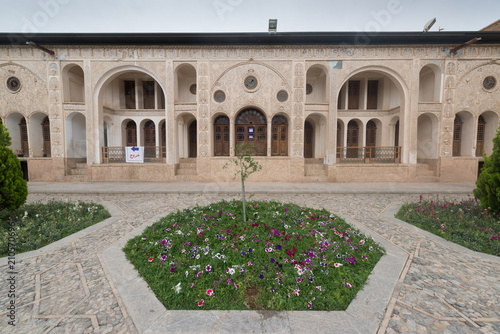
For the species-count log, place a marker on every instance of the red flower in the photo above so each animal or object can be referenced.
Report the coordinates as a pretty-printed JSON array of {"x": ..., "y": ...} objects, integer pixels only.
[{"x": 200, "y": 304}]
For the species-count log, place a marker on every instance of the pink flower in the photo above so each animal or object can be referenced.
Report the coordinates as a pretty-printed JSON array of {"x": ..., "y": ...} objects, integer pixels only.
[
  {"x": 200, "y": 304},
  {"x": 349, "y": 285},
  {"x": 210, "y": 292},
  {"x": 318, "y": 287},
  {"x": 192, "y": 284},
  {"x": 150, "y": 259},
  {"x": 361, "y": 242},
  {"x": 296, "y": 292},
  {"x": 208, "y": 268},
  {"x": 336, "y": 265},
  {"x": 235, "y": 286}
]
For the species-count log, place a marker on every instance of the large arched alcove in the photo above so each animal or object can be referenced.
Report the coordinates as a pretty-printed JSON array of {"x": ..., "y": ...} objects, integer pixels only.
[
  {"x": 125, "y": 92},
  {"x": 430, "y": 83},
  {"x": 16, "y": 125},
  {"x": 489, "y": 123},
  {"x": 317, "y": 84},
  {"x": 427, "y": 138},
  {"x": 187, "y": 136},
  {"x": 76, "y": 136},
  {"x": 73, "y": 83},
  {"x": 40, "y": 134},
  {"x": 315, "y": 136},
  {"x": 185, "y": 84},
  {"x": 251, "y": 129},
  {"x": 463, "y": 134},
  {"x": 383, "y": 93}
]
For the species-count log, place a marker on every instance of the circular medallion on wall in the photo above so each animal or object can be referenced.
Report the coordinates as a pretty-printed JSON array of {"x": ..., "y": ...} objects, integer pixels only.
[
  {"x": 489, "y": 82},
  {"x": 219, "y": 96},
  {"x": 251, "y": 82},
  {"x": 192, "y": 89},
  {"x": 13, "y": 84},
  {"x": 282, "y": 96},
  {"x": 309, "y": 89}
]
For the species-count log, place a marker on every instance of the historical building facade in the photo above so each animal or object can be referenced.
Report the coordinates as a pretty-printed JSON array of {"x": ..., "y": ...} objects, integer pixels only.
[{"x": 316, "y": 107}]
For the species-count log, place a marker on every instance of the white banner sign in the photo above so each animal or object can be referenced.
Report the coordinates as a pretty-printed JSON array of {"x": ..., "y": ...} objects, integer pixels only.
[{"x": 134, "y": 154}]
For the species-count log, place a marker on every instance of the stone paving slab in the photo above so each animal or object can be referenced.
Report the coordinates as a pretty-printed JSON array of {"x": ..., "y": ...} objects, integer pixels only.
[
  {"x": 95, "y": 188},
  {"x": 442, "y": 288}
]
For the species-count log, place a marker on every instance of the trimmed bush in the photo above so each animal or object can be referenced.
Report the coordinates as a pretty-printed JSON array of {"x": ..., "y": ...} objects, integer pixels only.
[
  {"x": 488, "y": 183},
  {"x": 13, "y": 188}
]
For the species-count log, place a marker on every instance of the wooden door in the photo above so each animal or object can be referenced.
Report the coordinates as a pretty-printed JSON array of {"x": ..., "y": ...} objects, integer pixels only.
[
  {"x": 457, "y": 136},
  {"x": 46, "y": 136},
  {"x": 396, "y": 139},
  {"x": 372, "y": 94},
  {"x": 24, "y": 137},
  {"x": 193, "y": 131},
  {"x": 221, "y": 136},
  {"x": 352, "y": 139},
  {"x": 131, "y": 134},
  {"x": 163, "y": 140},
  {"x": 353, "y": 95},
  {"x": 251, "y": 129},
  {"x": 480, "y": 136},
  {"x": 371, "y": 137},
  {"x": 279, "y": 144},
  {"x": 308, "y": 140},
  {"x": 149, "y": 140}
]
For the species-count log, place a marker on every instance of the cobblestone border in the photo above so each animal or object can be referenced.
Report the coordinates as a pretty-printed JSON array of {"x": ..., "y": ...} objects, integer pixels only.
[{"x": 364, "y": 314}]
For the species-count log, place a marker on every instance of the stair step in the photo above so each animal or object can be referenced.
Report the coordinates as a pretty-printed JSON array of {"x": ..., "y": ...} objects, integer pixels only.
[
  {"x": 314, "y": 166},
  {"x": 186, "y": 172},
  {"x": 81, "y": 165},
  {"x": 424, "y": 172},
  {"x": 187, "y": 165},
  {"x": 313, "y": 161},
  {"x": 77, "y": 171},
  {"x": 187, "y": 178}
]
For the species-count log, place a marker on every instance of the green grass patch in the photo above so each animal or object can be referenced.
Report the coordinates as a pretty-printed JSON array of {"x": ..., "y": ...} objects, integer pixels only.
[
  {"x": 37, "y": 225},
  {"x": 285, "y": 257},
  {"x": 465, "y": 223}
]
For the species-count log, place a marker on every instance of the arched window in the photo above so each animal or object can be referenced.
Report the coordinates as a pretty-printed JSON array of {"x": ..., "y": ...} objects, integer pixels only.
[
  {"x": 481, "y": 124},
  {"x": 371, "y": 137},
  {"x": 24, "y": 137},
  {"x": 279, "y": 145},
  {"x": 193, "y": 142},
  {"x": 46, "y": 136},
  {"x": 251, "y": 128},
  {"x": 457, "y": 136},
  {"x": 308, "y": 140},
  {"x": 352, "y": 139},
  {"x": 221, "y": 136},
  {"x": 149, "y": 134},
  {"x": 131, "y": 133}
]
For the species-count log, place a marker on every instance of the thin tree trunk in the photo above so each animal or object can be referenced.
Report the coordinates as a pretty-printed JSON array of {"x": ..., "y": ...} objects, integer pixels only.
[{"x": 243, "y": 193}]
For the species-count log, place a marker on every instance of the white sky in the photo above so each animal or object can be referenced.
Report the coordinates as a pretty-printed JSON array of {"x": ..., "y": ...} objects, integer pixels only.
[{"x": 22, "y": 16}]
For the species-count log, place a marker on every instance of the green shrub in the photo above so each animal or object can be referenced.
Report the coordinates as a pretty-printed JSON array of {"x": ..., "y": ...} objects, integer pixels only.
[
  {"x": 488, "y": 183},
  {"x": 13, "y": 188}
]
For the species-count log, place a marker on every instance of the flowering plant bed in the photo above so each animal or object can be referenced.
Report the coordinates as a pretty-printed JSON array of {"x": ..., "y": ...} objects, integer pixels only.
[
  {"x": 465, "y": 223},
  {"x": 36, "y": 225},
  {"x": 284, "y": 257}
]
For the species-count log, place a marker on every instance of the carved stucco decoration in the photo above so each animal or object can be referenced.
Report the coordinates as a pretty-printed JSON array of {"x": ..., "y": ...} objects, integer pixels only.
[{"x": 32, "y": 95}]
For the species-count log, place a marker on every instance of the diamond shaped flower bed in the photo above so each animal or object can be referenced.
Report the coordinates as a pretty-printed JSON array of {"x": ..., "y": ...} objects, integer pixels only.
[{"x": 285, "y": 257}]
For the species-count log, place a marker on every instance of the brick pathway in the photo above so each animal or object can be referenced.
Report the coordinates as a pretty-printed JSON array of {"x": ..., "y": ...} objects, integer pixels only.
[{"x": 68, "y": 290}]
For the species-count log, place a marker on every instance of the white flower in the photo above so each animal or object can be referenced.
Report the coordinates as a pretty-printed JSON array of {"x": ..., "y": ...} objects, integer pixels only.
[
  {"x": 197, "y": 256},
  {"x": 177, "y": 288}
]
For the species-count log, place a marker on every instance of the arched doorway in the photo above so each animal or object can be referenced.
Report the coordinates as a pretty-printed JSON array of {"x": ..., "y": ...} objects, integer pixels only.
[
  {"x": 193, "y": 131},
  {"x": 371, "y": 137},
  {"x": 149, "y": 140},
  {"x": 352, "y": 139},
  {"x": 23, "y": 128},
  {"x": 251, "y": 129},
  {"x": 46, "y": 136},
  {"x": 308, "y": 140},
  {"x": 221, "y": 136},
  {"x": 131, "y": 133},
  {"x": 457, "y": 136},
  {"x": 481, "y": 125},
  {"x": 279, "y": 144}
]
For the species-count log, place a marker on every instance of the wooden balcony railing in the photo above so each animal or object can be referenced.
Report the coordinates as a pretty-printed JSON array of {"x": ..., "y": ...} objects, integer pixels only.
[
  {"x": 116, "y": 154},
  {"x": 369, "y": 155}
]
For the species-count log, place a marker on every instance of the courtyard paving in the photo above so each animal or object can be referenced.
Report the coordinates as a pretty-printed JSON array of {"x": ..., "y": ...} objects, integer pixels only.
[{"x": 68, "y": 288}]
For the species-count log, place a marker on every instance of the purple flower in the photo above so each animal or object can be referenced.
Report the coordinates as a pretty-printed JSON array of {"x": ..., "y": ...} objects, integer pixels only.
[
  {"x": 172, "y": 269},
  {"x": 278, "y": 247},
  {"x": 272, "y": 260},
  {"x": 243, "y": 253},
  {"x": 261, "y": 276}
]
